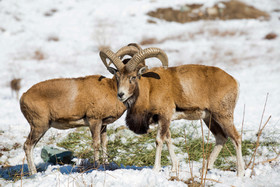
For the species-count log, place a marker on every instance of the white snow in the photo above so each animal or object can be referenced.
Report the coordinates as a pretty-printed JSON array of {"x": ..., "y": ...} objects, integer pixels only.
[{"x": 82, "y": 26}]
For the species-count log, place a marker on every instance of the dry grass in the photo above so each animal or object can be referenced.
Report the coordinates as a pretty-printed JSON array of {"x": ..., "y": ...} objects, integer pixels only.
[
  {"x": 29, "y": 54},
  {"x": 15, "y": 86},
  {"x": 16, "y": 145},
  {"x": 39, "y": 55},
  {"x": 53, "y": 39},
  {"x": 103, "y": 33},
  {"x": 152, "y": 40},
  {"x": 270, "y": 36},
  {"x": 101, "y": 47},
  {"x": 2, "y": 29},
  {"x": 148, "y": 41},
  {"x": 135, "y": 149},
  {"x": 225, "y": 33},
  {"x": 192, "y": 181},
  {"x": 50, "y": 12},
  {"x": 232, "y": 10},
  {"x": 151, "y": 21},
  {"x": 261, "y": 128},
  {"x": 203, "y": 32}
]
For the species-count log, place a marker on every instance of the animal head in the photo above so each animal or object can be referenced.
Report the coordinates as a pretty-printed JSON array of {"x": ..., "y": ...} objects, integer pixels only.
[
  {"x": 129, "y": 74},
  {"x": 116, "y": 59}
]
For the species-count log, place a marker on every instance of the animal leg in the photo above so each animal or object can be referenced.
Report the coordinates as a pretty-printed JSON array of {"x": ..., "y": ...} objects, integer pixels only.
[
  {"x": 34, "y": 136},
  {"x": 220, "y": 137},
  {"x": 235, "y": 137},
  {"x": 163, "y": 126},
  {"x": 104, "y": 142},
  {"x": 220, "y": 142},
  {"x": 95, "y": 128},
  {"x": 170, "y": 147},
  {"x": 240, "y": 162}
]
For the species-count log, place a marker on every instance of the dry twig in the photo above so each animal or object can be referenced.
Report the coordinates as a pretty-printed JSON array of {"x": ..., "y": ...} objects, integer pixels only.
[
  {"x": 203, "y": 153},
  {"x": 208, "y": 136},
  {"x": 269, "y": 160},
  {"x": 242, "y": 122},
  {"x": 189, "y": 159}
]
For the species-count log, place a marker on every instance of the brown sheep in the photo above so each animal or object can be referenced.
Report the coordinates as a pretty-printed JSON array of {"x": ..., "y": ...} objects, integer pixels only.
[
  {"x": 191, "y": 92},
  {"x": 74, "y": 102}
]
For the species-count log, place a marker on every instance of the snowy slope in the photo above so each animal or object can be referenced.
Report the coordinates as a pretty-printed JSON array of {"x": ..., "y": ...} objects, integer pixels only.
[{"x": 29, "y": 28}]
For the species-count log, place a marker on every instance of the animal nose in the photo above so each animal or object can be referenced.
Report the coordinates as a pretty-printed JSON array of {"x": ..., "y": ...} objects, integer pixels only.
[{"x": 120, "y": 94}]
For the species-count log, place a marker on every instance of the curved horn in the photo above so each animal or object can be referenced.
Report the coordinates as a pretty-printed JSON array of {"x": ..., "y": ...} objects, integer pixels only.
[
  {"x": 147, "y": 53},
  {"x": 127, "y": 50},
  {"x": 107, "y": 53},
  {"x": 139, "y": 48},
  {"x": 135, "y": 45}
]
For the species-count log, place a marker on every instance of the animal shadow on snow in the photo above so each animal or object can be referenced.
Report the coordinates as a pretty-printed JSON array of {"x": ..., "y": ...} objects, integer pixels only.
[{"x": 14, "y": 173}]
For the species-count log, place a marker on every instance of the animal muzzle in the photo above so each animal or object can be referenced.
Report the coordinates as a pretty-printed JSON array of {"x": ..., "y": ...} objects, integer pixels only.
[{"x": 120, "y": 96}]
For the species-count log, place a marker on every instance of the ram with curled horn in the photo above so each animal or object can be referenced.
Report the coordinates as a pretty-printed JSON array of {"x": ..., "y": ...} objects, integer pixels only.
[
  {"x": 68, "y": 103},
  {"x": 193, "y": 92},
  {"x": 115, "y": 59}
]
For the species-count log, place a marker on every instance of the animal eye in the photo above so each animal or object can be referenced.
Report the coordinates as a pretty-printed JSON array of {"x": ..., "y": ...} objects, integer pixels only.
[{"x": 132, "y": 79}]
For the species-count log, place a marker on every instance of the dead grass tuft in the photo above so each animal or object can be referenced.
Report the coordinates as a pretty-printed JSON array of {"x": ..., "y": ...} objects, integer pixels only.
[
  {"x": 39, "y": 55},
  {"x": 270, "y": 36},
  {"x": 103, "y": 33},
  {"x": 5, "y": 149},
  {"x": 50, "y": 12},
  {"x": 2, "y": 29},
  {"x": 15, "y": 84},
  {"x": 53, "y": 39},
  {"x": 16, "y": 145},
  {"x": 209, "y": 32},
  {"x": 190, "y": 182},
  {"x": 151, "y": 21},
  {"x": 222, "y": 10},
  {"x": 149, "y": 41},
  {"x": 225, "y": 33},
  {"x": 101, "y": 47}
]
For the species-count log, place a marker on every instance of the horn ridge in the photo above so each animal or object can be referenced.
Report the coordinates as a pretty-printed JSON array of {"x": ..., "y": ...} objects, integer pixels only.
[
  {"x": 107, "y": 53},
  {"x": 127, "y": 50},
  {"x": 147, "y": 53},
  {"x": 135, "y": 45}
]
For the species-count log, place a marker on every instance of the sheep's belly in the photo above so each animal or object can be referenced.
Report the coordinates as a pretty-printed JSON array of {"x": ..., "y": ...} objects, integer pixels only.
[
  {"x": 190, "y": 114},
  {"x": 69, "y": 124}
]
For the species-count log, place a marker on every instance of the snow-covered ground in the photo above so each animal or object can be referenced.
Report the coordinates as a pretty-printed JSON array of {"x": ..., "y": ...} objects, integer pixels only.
[{"x": 47, "y": 39}]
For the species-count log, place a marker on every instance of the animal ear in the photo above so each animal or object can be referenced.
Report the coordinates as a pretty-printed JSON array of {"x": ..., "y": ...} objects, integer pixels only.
[
  {"x": 142, "y": 70},
  {"x": 101, "y": 77},
  {"x": 151, "y": 74},
  {"x": 112, "y": 70}
]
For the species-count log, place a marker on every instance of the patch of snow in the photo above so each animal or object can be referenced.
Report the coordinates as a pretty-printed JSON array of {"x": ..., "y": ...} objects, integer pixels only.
[{"x": 81, "y": 27}]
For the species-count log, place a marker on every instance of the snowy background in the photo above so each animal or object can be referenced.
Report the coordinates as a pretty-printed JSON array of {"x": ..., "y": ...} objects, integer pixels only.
[{"x": 47, "y": 39}]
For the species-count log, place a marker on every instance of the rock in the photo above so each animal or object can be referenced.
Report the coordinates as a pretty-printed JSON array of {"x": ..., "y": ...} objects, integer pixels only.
[
  {"x": 270, "y": 36},
  {"x": 56, "y": 156}
]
